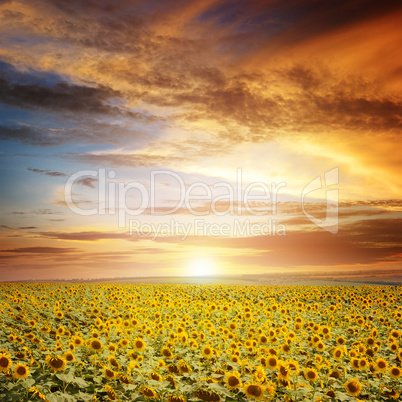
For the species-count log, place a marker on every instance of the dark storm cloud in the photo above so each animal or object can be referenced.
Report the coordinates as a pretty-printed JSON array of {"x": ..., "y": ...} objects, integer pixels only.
[
  {"x": 88, "y": 132},
  {"x": 61, "y": 97},
  {"x": 29, "y": 135},
  {"x": 178, "y": 72}
]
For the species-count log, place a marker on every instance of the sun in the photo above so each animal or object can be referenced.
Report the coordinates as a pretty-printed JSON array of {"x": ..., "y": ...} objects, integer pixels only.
[{"x": 202, "y": 266}]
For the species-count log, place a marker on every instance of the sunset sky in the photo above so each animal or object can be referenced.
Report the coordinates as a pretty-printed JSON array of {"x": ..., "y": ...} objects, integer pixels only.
[{"x": 277, "y": 92}]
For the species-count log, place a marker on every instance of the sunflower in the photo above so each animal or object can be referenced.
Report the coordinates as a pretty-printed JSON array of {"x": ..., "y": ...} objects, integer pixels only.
[
  {"x": 207, "y": 351},
  {"x": 44, "y": 329},
  {"x": 173, "y": 369},
  {"x": 207, "y": 396},
  {"x": 109, "y": 374},
  {"x": 335, "y": 374},
  {"x": 320, "y": 346},
  {"x": 21, "y": 371},
  {"x": 233, "y": 380},
  {"x": 132, "y": 365},
  {"x": 77, "y": 341},
  {"x": 400, "y": 354},
  {"x": 112, "y": 347},
  {"x": 381, "y": 365},
  {"x": 272, "y": 362},
  {"x": 171, "y": 380},
  {"x": 255, "y": 391},
  {"x": 353, "y": 387},
  {"x": 56, "y": 363},
  {"x": 124, "y": 379},
  {"x": 166, "y": 352},
  {"x": 395, "y": 372},
  {"x": 124, "y": 343},
  {"x": 184, "y": 368},
  {"x": 37, "y": 394},
  {"x": 69, "y": 356},
  {"x": 139, "y": 344},
  {"x": 20, "y": 355},
  {"x": 337, "y": 353},
  {"x": 113, "y": 362},
  {"x": 355, "y": 363},
  {"x": 5, "y": 363},
  {"x": 310, "y": 374},
  {"x": 235, "y": 359},
  {"x": 176, "y": 398},
  {"x": 155, "y": 376},
  {"x": 95, "y": 344},
  {"x": 340, "y": 340},
  {"x": 259, "y": 375},
  {"x": 149, "y": 393},
  {"x": 284, "y": 372},
  {"x": 393, "y": 394},
  {"x": 363, "y": 364},
  {"x": 111, "y": 393},
  {"x": 293, "y": 366}
]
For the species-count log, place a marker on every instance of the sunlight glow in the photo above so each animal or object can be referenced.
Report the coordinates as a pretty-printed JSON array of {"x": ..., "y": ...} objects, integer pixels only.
[{"x": 201, "y": 267}]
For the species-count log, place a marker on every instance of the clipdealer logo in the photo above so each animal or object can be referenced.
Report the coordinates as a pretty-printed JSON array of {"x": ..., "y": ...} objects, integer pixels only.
[{"x": 113, "y": 194}]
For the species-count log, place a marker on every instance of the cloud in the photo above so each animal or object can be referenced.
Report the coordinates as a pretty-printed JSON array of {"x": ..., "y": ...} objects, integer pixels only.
[
  {"x": 61, "y": 97},
  {"x": 40, "y": 250},
  {"x": 116, "y": 159},
  {"x": 47, "y": 172},
  {"x": 87, "y": 182},
  {"x": 28, "y": 227},
  {"x": 205, "y": 86},
  {"x": 85, "y": 236},
  {"x": 40, "y": 211},
  {"x": 369, "y": 241}
]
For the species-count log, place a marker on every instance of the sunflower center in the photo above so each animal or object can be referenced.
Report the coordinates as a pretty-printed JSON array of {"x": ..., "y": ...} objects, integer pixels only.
[
  {"x": 57, "y": 363},
  {"x": 255, "y": 390},
  {"x": 272, "y": 361},
  {"x": 21, "y": 370},
  {"x": 4, "y": 362},
  {"x": 96, "y": 345},
  {"x": 233, "y": 381}
]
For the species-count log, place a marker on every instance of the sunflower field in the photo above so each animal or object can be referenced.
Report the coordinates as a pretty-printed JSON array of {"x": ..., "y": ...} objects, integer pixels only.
[{"x": 176, "y": 343}]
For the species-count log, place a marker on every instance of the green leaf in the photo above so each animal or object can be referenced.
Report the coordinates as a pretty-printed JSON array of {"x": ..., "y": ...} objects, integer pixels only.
[
  {"x": 68, "y": 378},
  {"x": 85, "y": 397},
  {"x": 80, "y": 382},
  {"x": 341, "y": 396},
  {"x": 27, "y": 383}
]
